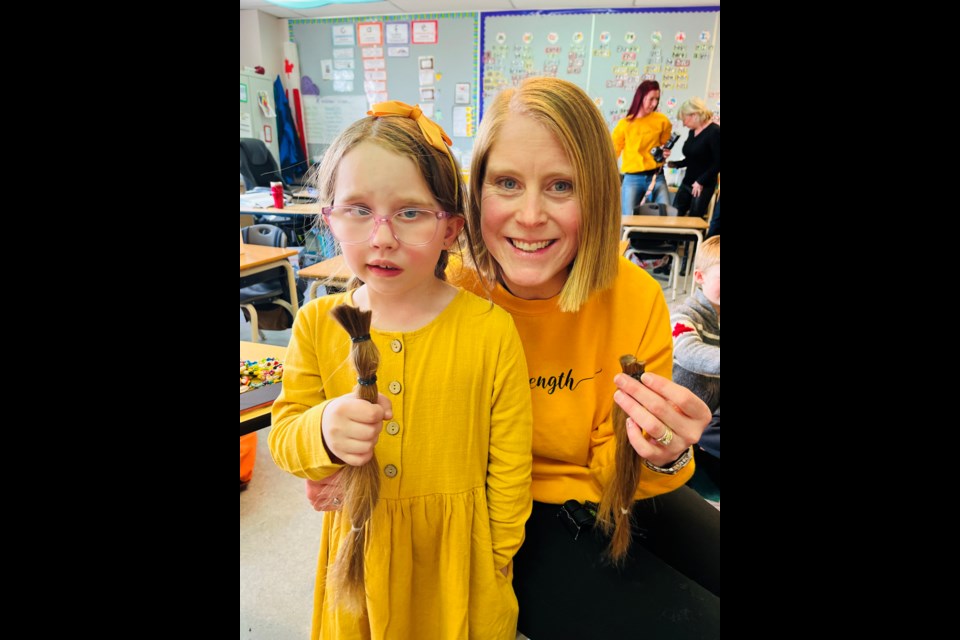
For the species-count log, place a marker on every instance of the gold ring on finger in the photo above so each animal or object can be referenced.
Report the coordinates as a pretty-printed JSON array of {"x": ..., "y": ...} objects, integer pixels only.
[{"x": 667, "y": 436}]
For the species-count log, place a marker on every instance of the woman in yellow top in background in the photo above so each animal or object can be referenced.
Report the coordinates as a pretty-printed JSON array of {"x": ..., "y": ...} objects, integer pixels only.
[
  {"x": 635, "y": 135},
  {"x": 544, "y": 219},
  {"x": 454, "y": 454}
]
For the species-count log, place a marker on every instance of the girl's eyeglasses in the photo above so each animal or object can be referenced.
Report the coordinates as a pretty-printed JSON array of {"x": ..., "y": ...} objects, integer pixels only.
[{"x": 356, "y": 225}]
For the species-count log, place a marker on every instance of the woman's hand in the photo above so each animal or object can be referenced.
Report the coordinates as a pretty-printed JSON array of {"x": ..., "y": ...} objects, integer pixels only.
[
  {"x": 326, "y": 494},
  {"x": 666, "y": 153},
  {"x": 351, "y": 427},
  {"x": 697, "y": 189},
  {"x": 658, "y": 406}
]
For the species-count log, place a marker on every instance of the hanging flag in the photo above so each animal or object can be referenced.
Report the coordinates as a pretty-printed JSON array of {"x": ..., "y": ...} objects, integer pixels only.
[{"x": 293, "y": 163}]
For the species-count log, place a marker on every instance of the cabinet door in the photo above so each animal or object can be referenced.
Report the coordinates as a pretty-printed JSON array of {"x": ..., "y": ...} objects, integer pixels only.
[{"x": 253, "y": 122}]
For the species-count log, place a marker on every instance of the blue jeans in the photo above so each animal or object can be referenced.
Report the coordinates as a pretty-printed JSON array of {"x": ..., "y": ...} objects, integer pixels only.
[{"x": 633, "y": 188}]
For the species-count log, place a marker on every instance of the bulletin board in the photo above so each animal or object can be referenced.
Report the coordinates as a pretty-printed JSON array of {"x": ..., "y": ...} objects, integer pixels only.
[
  {"x": 347, "y": 64},
  {"x": 608, "y": 53}
]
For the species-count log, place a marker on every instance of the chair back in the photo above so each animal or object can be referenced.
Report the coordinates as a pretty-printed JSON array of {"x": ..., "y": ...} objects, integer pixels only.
[
  {"x": 261, "y": 293},
  {"x": 266, "y": 235},
  {"x": 656, "y": 209},
  {"x": 257, "y": 165}
]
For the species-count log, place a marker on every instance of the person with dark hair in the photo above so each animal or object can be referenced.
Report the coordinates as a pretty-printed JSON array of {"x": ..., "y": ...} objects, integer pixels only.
[{"x": 635, "y": 135}]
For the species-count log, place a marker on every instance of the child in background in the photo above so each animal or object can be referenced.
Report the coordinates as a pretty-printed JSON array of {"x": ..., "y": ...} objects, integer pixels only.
[
  {"x": 455, "y": 453},
  {"x": 696, "y": 350}
]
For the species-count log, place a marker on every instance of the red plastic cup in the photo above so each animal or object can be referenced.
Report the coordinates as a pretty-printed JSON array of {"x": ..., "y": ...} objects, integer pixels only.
[{"x": 276, "y": 188}]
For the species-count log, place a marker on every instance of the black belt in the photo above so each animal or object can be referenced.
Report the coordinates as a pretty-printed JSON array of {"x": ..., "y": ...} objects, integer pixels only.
[{"x": 644, "y": 173}]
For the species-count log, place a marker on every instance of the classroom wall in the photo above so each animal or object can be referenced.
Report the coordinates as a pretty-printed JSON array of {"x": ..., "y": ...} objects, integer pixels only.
[
  {"x": 249, "y": 38},
  {"x": 261, "y": 41},
  {"x": 347, "y": 73},
  {"x": 263, "y": 37}
]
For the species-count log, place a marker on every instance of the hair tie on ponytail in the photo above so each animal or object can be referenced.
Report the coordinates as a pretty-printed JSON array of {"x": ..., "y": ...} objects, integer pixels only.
[
  {"x": 362, "y": 338},
  {"x": 367, "y": 381}
]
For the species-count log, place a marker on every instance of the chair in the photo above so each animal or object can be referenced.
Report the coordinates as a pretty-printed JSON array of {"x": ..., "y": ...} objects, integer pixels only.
[
  {"x": 668, "y": 244},
  {"x": 265, "y": 235},
  {"x": 257, "y": 165},
  {"x": 267, "y": 287},
  {"x": 259, "y": 169}
]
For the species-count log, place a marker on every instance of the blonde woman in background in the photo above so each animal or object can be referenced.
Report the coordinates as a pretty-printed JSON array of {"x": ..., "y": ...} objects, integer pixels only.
[{"x": 701, "y": 157}]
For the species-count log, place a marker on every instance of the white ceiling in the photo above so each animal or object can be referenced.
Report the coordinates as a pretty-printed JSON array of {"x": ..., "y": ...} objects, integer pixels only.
[{"x": 435, "y": 6}]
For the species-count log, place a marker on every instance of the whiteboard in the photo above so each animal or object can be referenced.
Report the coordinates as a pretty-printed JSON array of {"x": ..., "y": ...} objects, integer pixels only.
[
  {"x": 607, "y": 52},
  {"x": 435, "y": 54}
]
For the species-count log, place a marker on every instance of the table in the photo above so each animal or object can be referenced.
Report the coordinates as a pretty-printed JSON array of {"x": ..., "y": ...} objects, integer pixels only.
[
  {"x": 331, "y": 272},
  {"x": 302, "y": 209},
  {"x": 667, "y": 225},
  {"x": 255, "y": 258},
  {"x": 258, "y": 418}
]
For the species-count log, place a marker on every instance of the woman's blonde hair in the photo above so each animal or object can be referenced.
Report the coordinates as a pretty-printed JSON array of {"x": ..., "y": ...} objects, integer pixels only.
[
  {"x": 402, "y": 136},
  {"x": 566, "y": 111},
  {"x": 695, "y": 107}
]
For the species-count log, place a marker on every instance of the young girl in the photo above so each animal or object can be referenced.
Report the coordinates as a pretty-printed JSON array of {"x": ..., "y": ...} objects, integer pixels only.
[{"x": 452, "y": 428}]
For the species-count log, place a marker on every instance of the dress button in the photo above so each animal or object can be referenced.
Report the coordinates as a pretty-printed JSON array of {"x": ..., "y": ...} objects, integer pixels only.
[
  {"x": 396, "y": 345},
  {"x": 390, "y": 471},
  {"x": 394, "y": 387},
  {"x": 393, "y": 428}
]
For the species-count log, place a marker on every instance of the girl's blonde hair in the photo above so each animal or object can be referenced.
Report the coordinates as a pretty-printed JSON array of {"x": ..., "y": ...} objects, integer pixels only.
[
  {"x": 695, "y": 107},
  {"x": 566, "y": 111},
  {"x": 402, "y": 136}
]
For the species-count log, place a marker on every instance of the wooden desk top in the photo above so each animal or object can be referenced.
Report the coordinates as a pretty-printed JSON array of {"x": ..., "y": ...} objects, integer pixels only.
[
  {"x": 333, "y": 269},
  {"x": 666, "y": 222},
  {"x": 254, "y": 255},
  {"x": 258, "y": 351},
  {"x": 305, "y": 208}
]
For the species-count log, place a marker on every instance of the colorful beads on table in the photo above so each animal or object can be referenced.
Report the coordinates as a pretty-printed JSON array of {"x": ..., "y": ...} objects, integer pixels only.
[{"x": 257, "y": 373}]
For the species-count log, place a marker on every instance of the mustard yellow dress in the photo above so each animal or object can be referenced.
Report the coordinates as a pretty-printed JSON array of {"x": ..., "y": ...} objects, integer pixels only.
[{"x": 455, "y": 467}]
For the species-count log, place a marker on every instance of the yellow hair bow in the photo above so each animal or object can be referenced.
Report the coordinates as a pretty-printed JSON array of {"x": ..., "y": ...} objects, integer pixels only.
[{"x": 433, "y": 132}]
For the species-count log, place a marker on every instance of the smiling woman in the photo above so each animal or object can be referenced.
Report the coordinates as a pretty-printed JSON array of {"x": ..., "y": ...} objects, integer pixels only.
[
  {"x": 544, "y": 216},
  {"x": 531, "y": 215}
]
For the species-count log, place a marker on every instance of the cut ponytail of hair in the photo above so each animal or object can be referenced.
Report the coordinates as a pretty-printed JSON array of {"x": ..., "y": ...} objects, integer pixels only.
[
  {"x": 616, "y": 503},
  {"x": 361, "y": 485}
]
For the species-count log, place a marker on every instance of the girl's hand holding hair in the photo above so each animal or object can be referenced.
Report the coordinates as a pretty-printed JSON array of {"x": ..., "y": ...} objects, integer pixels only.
[{"x": 351, "y": 427}]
